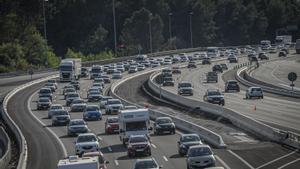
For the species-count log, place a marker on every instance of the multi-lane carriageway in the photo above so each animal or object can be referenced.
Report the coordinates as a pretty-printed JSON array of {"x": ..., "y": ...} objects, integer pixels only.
[{"x": 48, "y": 144}]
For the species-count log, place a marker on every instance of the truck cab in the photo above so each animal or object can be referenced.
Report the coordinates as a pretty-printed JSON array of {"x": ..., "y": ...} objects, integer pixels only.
[{"x": 133, "y": 122}]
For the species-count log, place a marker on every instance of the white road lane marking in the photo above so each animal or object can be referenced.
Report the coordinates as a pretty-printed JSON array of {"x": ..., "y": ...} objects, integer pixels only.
[
  {"x": 116, "y": 162},
  {"x": 279, "y": 158},
  {"x": 222, "y": 162},
  {"x": 240, "y": 158},
  {"x": 109, "y": 149},
  {"x": 165, "y": 158},
  {"x": 287, "y": 164},
  {"x": 153, "y": 145},
  {"x": 99, "y": 138}
]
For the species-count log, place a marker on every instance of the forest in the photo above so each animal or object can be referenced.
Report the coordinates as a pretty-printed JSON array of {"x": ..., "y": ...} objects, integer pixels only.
[{"x": 39, "y": 33}]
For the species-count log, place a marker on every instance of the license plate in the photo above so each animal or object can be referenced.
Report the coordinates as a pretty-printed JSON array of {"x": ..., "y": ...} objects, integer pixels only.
[{"x": 139, "y": 150}]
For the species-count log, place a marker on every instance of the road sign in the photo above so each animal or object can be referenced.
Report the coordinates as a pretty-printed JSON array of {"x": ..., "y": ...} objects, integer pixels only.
[{"x": 292, "y": 76}]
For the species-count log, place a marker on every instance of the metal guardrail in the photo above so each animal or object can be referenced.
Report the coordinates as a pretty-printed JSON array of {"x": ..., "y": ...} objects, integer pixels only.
[
  {"x": 247, "y": 123},
  {"x": 5, "y": 159}
]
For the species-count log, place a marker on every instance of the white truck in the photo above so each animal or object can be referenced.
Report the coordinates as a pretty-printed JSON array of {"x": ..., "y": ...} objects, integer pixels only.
[
  {"x": 74, "y": 162},
  {"x": 283, "y": 40},
  {"x": 133, "y": 122},
  {"x": 297, "y": 47},
  {"x": 69, "y": 69}
]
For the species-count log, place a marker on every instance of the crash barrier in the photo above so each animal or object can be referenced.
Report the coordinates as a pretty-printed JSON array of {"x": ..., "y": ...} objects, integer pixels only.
[
  {"x": 20, "y": 139},
  {"x": 209, "y": 136},
  {"x": 6, "y": 149},
  {"x": 247, "y": 123},
  {"x": 244, "y": 77}
]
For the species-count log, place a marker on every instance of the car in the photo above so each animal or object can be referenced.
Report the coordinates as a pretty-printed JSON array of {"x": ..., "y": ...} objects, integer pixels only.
[
  {"x": 192, "y": 64},
  {"x": 167, "y": 62},
  {"x": 185, "y": 88},
  {"x": 206, "y": 61},
  {"x": 50, "y": 86},
  {"x": 60, "y": 117},
  {"x": 224, "y": 66},
  {"x": 86, "y": 142},
  {"x": 77, "y": 101},
  {"x": 120, "y": 68},
  {"x": 141, "y": 67},
  {"x": 285, "y": 50},
  {"x": 200, "y": 156},
  {"x": 43, "y": 103},
  {"x": 212, "y": 77},
  {"x": 98, "y": 80},
  {"x": 138, "y": 144},
  {"x": 168, "y": 81},
  {"x": 110, "y": 70},
  {"x": 92, "y": 112},
  {"x": 155, "y": 64},
  {"x": 163, "y": 125},
  {"x": 175, "y": 60},
  {"x": 117, "y": 75},
  {"x": 45, "y": 92},
  {"x": 98, "y": 86},
  {"x": 78, "y": 107},
  {"x": 186, "y": 141},
  {"x": 84, "y": 72},
  {"x": 113, "y": 106},
  {"x": 52, "y": 81},
  {"x": 103, "y": 101},
  {"x": 53, "y": 108},
  {"x": 183, "y": 57},
  {"x": 176, "y": 70},
  {"x": 232, "y": 85},
  {"x": 146, "y": 163},
  {"x": 254, "y": 92},
  {"x": 77, "y": 126},
  {"x": 105, "y": 78},
  {"x": 214, "y": 96},
  {"x": 94, "y": 96},
  {"x": 112, "y": 125},
  {"x": 76, "y": 84},
  {"x": 166, "y": 73},
  {"x": 253, "y": 58},
  {"x": 263, "y": 57},
  {"x": 217, "y": 68},
  {"x": 282, "y": 54},
  {"x": 101, "y": 160},
  {"x": 132, "y": 69},
  {"x": 70, "y": 97},
  {"x": 232, "y": 58},
  {"x": 67, "y": 91},
  {"x": 273, "y": 49}
]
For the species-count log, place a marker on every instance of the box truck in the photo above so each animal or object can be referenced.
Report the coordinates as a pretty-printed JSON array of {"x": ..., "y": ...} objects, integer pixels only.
[{"x": 69, "y": 69}]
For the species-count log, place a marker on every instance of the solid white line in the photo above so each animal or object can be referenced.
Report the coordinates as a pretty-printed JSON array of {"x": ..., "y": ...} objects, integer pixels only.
[
  {"x": 240, "y": 158},
  {"x": 165, "y": 158},
  {"x": 109, "y": 149},
  {"x": 153, "y": 145},
  {"x": 279, "y": 158},
  {"x": 44, "y": 125},
  {"x": 287, "y": 164},
  {"x": 116, "y": 162},
  {"x": 222, "y": 162}
]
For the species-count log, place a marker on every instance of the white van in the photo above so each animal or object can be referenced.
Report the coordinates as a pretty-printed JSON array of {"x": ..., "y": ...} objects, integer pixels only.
[{"x": 74, "y": 162}]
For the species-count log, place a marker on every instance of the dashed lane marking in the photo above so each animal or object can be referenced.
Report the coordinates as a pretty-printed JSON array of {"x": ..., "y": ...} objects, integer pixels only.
[
  {"x": 279, "y": 158},
  {"x": 153, "y": 145},
  {"x": 222, "y": 162},
  {"x": 240, "y": 158},
  {"x": 165, "y": 158},
  {"x": 287, "y": 164},
  {"x": 116, "y": 162},
  {"x": 100, "y": 138}
]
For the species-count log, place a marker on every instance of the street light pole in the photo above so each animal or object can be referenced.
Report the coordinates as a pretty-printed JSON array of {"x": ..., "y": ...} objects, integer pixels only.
[
  {"x": 44, "y": 15},
  {"x": 115, "y": 29},
  {"x": 150, "y": 32},
  {"x": 191, "y": 29},
  {"x": 170, "y": 25}
]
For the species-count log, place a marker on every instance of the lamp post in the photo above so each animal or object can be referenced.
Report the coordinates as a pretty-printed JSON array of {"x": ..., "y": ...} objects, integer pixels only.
[
  {"x": 150, "y": 32},
  {"x": 44, "y": 15},
  {"x": 115, "y": 28},
  {"x": 191, "y": 29},
  {"x": 170, "y": 25}
]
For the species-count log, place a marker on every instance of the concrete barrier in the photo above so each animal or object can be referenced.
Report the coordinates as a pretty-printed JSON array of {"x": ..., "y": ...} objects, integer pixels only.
[
  {"x": 5, "y": 159},
  {"x": 20, "y": 139},
  {"x": 209, "y": 136}
]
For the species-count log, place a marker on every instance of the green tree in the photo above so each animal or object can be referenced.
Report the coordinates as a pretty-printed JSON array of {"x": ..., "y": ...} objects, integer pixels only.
[
  {"x": 96, "y": 41},
  {"x": 11, "y": 55}
]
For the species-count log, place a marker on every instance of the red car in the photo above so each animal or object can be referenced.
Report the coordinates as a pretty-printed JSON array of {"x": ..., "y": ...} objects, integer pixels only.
[{"x": 112, "y": 125}]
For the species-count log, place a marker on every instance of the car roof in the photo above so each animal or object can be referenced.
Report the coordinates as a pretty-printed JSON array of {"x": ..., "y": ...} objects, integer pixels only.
[
  {"x": 200, "y": 146},
  {"x": 77, "y": 120},
  {"x": 87, "y": 134},
  {"x": 192, "y": 134},
  {"x": 134, "y": 136}
]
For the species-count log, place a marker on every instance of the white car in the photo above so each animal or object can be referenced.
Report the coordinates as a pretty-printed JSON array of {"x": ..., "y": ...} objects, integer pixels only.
[
  {"x": 254, "y": 92},
  {"x": 117, "y": 75},
  {"x": 86, "y": 142},
  {"x": 113, "y": 106},
  {"x": 53, "y": 108}
]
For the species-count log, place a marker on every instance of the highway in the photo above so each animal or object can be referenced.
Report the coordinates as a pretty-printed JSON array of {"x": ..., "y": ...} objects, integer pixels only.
[{"x": 245, "y": 151}]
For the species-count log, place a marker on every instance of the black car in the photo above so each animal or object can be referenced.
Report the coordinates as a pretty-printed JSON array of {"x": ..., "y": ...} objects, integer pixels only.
[
  {"x": 232, "y": 85},
  {"x": 168, "y": 81},
  {"x": 282, "y": 54},
  {"x": 192, "y": 64},
  {"x": 214, "y": 96},
  {"x": 206, "y": 61},
  {"x": 186, "y": 141},
  {"x": 217, "y": 68},
  {"x": 263, "y": 57},
  {"x": 164, "y": 124}
]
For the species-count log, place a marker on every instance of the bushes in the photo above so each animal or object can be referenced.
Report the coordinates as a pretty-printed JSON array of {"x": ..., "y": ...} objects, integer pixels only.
[{"x": 90, "y": 57}]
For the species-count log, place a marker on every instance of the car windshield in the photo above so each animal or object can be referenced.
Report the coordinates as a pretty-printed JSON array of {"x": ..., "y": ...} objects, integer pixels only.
[
  {"x": 44, "y": 100},
  {"x": 113, "y": 120},
  {"x": 92, "y": 108},
  {"x": 77, "y": 101},
  {"x": 95, "y": 92},
  {"x": 201, "y": 151},
  {"x": 70, "y": 90},
  {"x": 185, "y": 85},
  {"x": 56, "y": 107},
  {"x": 145, "y": 165},
  {"x": 86, "y": 138},
  {"x": 73, "y": 95},
  {"x": 114, "y": 102},
  {"x": 163, "y": 121},
  {"x": 45, "y": 91},
  {"x": 190, "y": 138},
  {"x": 137, "y": 139},
  {"x": 256, "y": 89},
  {"x": 77, "y": 122},
  {"x": 59, "y": 113},
  {"x": 213, "y": 93}
]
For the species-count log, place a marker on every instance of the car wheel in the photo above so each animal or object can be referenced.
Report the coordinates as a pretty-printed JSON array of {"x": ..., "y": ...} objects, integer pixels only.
[
  {"x": 262, "y": 97},
  {"x": 149, "y": 153}
]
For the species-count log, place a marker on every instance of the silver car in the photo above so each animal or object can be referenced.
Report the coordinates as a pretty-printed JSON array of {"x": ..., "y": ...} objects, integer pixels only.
[
  {"x": 200, "y": 156},
  {"x": 254, "y": 92},
  {"x": 147, "y": 163}
]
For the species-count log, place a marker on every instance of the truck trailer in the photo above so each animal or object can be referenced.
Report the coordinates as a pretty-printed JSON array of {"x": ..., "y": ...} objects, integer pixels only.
[{"x": 69, "y": 69}]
